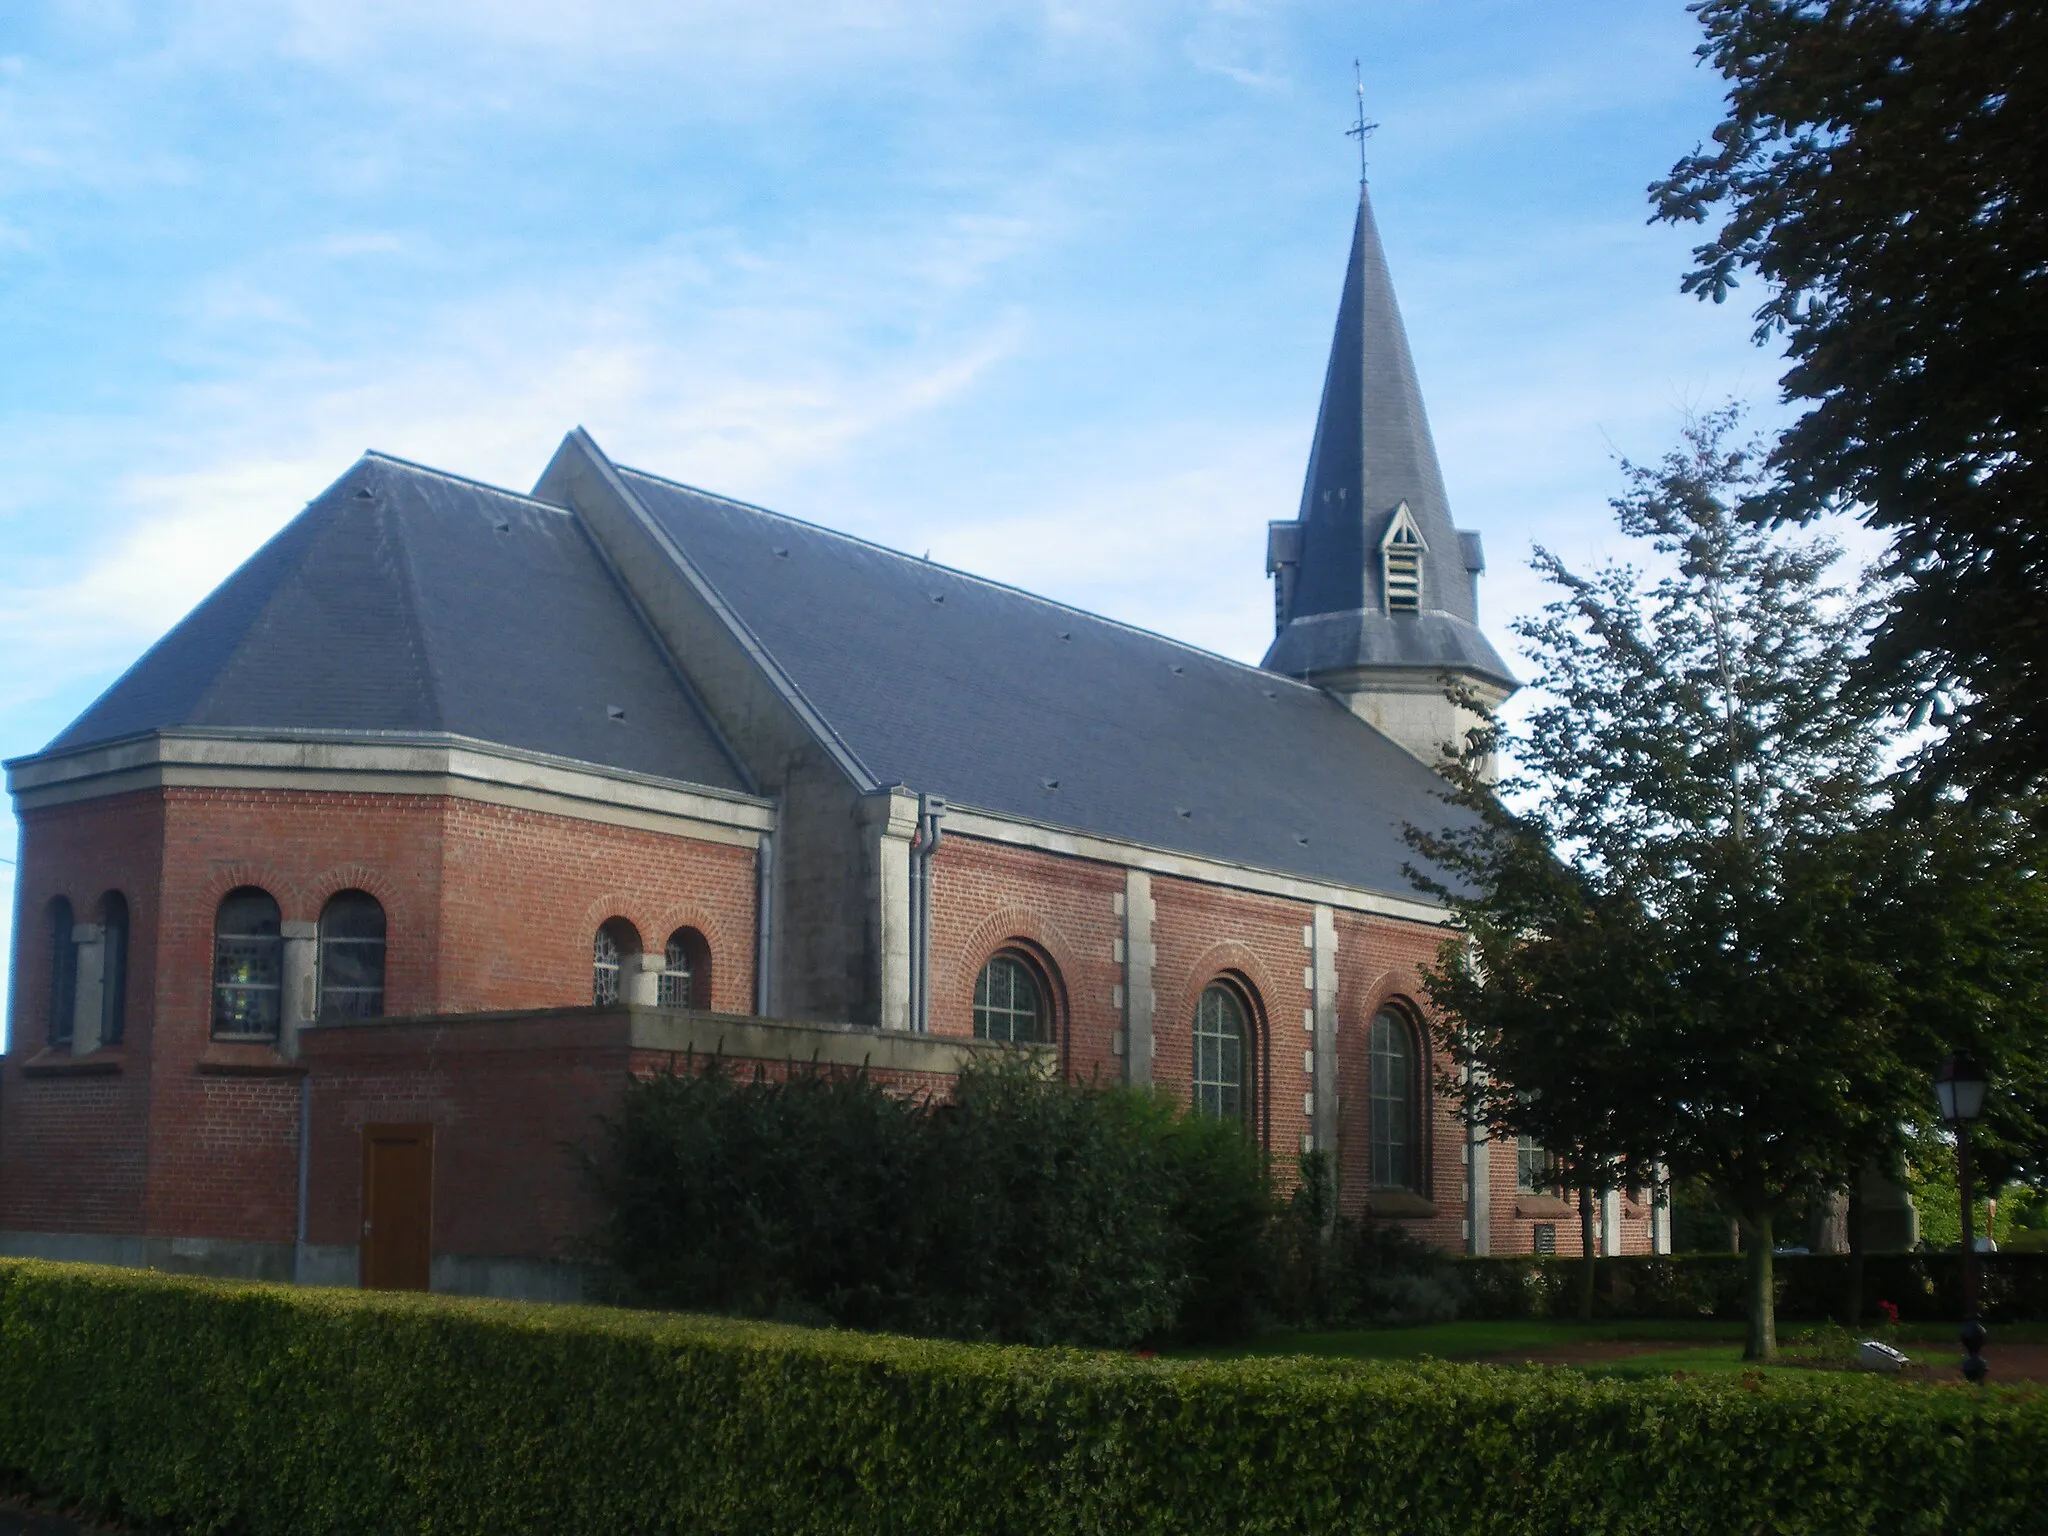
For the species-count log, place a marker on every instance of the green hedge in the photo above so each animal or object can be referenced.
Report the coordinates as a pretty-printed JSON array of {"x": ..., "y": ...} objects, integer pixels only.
[
  {"x": 223, "y": 1407},
  {"x": 1018, "y": 1210},
  {"x": 1925, "y": 1287}
]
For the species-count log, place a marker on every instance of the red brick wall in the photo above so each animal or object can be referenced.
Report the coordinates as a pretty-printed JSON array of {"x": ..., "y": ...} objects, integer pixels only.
[
  {"x": 522, "y": 894},
  {"x": 1202, "y": 932},
  {"x": 508, "y": 1099},
  {"x": 1379, "y": 965},
  {"x": 492, "y": 908},
  {"x": 72, "y": 1148},
  {"x": 486, "y": 907},
  {"x": 988, "y": 896}
]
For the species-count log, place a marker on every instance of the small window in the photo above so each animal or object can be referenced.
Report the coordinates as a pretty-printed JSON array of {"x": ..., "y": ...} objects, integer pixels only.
[
  {"x": 1222, "y": 1053},
  {"x": 685, "y": 971},
  {"x": 1009, "y": 1002},
  {"x": 63, "y": 972},
  {"x": 1535, "y": 1168},
  {"x": 352, "y": 957},
  {"x": 113, "y": 967},
  {"x": 1401, "y": 553},
  {"x": 248, "y": 965},
  {"x": 614, "y": 943},
  {"x": 1396, "y": 1157}
]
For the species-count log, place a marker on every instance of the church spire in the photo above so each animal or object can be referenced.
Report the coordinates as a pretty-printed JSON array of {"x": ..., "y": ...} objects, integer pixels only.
[
  {"x": 1372, "y": 453},
  {"x": 1372, "y": 579}
]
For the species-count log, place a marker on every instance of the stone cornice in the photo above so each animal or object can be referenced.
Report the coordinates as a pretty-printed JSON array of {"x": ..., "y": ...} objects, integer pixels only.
[
  {"x": 339, "y": 762},
  {"x": 962, "y": 821}
]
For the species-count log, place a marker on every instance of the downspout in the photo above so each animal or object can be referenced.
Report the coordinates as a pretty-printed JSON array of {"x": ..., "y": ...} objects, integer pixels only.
[
  {"x": 305, "y": 1172},
  {"x": 931, "y": 809},
  {"x": 764, "y": 926}
]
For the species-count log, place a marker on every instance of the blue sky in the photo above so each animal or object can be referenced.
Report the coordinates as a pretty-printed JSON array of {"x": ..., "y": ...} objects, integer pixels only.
[{"x": 1043, "y": 288}]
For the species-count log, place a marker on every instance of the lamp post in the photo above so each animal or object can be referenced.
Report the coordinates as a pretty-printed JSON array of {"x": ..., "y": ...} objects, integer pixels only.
[{"x": 1959, "y": 1089}]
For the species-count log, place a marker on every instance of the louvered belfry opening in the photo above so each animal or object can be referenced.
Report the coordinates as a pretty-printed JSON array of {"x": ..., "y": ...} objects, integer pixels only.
[{"x": 1402, "y": 558}]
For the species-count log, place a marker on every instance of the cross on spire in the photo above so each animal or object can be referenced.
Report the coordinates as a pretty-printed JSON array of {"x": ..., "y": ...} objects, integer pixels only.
[{"x": 1360, "y": 130}]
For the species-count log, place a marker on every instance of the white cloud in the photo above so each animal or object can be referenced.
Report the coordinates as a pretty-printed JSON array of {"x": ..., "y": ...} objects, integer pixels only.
[{"x": 485, "y": 389}]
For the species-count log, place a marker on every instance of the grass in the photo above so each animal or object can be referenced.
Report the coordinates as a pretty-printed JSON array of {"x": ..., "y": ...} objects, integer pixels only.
[
  {"x": 1472, "y": 1341},
  {"x": 1700, "y": 1347}
]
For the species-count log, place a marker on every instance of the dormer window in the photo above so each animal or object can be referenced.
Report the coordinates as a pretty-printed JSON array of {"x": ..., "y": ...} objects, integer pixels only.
[{"x": 1401, "y": 553}]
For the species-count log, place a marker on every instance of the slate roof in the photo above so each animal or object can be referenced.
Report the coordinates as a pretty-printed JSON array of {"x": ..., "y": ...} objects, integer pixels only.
[
  {"x": 406, "y": 602},
  {"x": 1372, "y": 452},
  {"x": 1007, "y": 702}
]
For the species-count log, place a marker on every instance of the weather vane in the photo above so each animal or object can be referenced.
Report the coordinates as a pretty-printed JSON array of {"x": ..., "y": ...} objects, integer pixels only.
[{"x": 1361, "y": 130}]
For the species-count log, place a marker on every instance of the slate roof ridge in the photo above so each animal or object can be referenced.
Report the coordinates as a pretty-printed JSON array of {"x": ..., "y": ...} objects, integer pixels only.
[
  {"x": 315, "y": 533},
  {"x": 757, "y": 649},
  {"x": 986, "y": 581},
  {"x": 471, "y": 481},
  {"x": 669, "y": 659}
]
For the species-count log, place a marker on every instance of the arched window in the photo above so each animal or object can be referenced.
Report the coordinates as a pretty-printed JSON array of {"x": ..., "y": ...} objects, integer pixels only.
[
  {"x": 113, "y": 967},
  {"x": 614, "y": 943},
  {"x": 248, "y": 964},
  {"x": 1396, "y": 1151},
  {"x": 352, "y": 957},
  {"x": 1223, "y": 1055},
  {"x": 63, "y": 972},
  {"x": 685, "y": 971},
  {"x": 1010, "y": 1002}
]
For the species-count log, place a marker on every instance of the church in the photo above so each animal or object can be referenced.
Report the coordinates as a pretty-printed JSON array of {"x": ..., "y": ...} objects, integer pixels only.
[{"x": 349, "y": 909}]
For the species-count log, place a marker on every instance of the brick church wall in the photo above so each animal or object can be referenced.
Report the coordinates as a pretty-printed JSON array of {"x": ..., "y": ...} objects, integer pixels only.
[
  {"x": 1203, "y": 932},
  {"x": 1379, "y": 965},
  {"x": 987, "y": 897},
  {"x": 485, "y": 907},
  {"x": 73, "y": 1153}
]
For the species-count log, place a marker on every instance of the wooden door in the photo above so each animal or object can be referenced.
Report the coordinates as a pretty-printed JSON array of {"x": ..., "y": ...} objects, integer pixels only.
[{"x": 398, "y": 1207}]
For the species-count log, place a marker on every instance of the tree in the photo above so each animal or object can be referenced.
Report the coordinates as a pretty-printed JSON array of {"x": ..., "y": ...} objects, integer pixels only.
[
  {"x": 1883, "y": 168},
  {"x": 1667, "y": 959}
]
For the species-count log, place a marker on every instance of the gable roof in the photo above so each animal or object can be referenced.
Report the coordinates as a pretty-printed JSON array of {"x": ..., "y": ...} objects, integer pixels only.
[
  {"x": 1009, "y": 703},
  {"x": 407, "y": 602}
]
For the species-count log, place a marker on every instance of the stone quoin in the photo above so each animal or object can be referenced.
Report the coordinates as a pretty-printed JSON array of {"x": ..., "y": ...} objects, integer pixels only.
[{"x": 352, "y": 905}]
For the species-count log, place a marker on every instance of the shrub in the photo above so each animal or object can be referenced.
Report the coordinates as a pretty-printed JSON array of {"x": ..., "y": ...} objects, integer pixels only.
[
  {"x": 1332, "y": 1271},
  {"x": 1022, "y": 1209},
  {"x": 258, "y": 1409},
  {"x": 1925, "y": 1287}
]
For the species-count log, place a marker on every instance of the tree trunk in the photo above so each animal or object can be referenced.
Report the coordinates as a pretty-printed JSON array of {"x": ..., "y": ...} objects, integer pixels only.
[
  {"x": 1762, "y": 1343},
  {"x": 1852, "y": 1303},
  {"x": 1588, "y": 1253}
]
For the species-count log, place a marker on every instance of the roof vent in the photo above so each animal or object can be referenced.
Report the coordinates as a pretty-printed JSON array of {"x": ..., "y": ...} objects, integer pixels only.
[
  {"x": 938, "y": 597},
  {"x": 1178, "y": 669},
  {"x": 364, "y": 493},
  {"x": 782, "y": 554},
  {"x": 1185, "y": 813},
  {"x": 501, "y": 527},
  {"x": 613, "y": 712},
  {"x": 1299, "y": 838},
  {"x": 1401, "y": 553},
  {"x": 1271, "y": 693},
  {"x": 1050, "y": 783},
  {"x": 1066, "y": 634}
]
